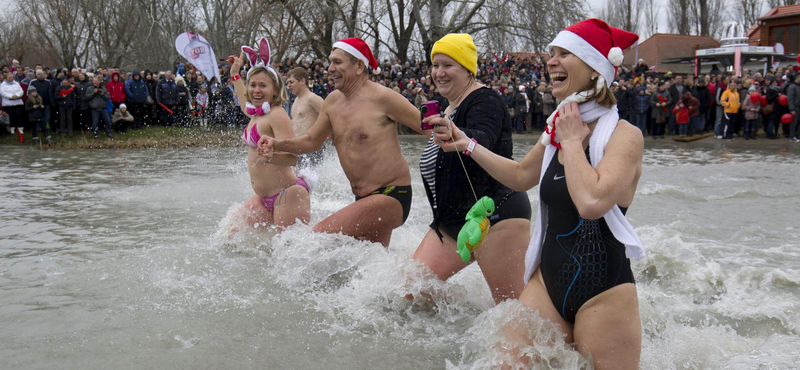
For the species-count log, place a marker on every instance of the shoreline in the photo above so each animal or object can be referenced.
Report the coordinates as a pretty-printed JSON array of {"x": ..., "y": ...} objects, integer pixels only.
[
  {"x": 148, "y": 137},
  {"x": 223, "y": 136}
]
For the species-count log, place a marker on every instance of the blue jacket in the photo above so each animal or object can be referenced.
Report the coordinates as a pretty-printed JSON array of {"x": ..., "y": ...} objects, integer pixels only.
[
  {"x": 641, "y": 103},
  {"x": 136, "y": 91},
  {"x": 167, "y": 92}
]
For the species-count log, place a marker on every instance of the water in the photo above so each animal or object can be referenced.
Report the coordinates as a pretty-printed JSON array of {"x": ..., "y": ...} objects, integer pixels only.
[{"x": 118, "y": 259}]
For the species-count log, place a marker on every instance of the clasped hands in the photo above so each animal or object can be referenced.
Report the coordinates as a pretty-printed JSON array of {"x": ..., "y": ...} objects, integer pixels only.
[{"x": 266, "y": 147}]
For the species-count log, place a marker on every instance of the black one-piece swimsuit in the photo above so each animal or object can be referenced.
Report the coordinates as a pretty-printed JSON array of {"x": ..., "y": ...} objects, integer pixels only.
[{"x": 580, "y": 257}]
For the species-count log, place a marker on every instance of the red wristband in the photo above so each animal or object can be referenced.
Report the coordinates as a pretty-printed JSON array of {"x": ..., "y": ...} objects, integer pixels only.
[
  {"x": 236, "y": 77},
  {"x": 470, "y": 147}
]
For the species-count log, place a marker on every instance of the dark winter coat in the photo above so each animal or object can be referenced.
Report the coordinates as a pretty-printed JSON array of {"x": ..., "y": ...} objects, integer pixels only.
[
  {"x": 81, "y": 94},
  {"x": 65, "y": 96},
  {"x": 184, "y": 96},
  {"x": 675, "y": 94},
  {"x": 167, "y": 92},
  {"x": 520, "y": 103},
  {"x": 34, "y": 114},
  {"x": 98, "y": 100},
  {"x": 482, "y": 116},
  {"x": 624, "y": 99},
  {"x": 45, "y": 91},
  {"x": 703, "y": 95},
  {"x": 137, "y": 91}
]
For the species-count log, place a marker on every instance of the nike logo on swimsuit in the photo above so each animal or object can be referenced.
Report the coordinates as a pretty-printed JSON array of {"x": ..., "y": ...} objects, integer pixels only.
[{"x": 556, "y": 177}]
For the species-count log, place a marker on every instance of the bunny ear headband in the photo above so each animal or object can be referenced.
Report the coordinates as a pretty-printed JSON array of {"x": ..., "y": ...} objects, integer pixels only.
[{"x": 261, "y": 58}]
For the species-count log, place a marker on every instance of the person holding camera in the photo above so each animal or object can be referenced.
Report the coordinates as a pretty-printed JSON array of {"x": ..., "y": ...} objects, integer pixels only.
[{"x": 454, "y": 182}]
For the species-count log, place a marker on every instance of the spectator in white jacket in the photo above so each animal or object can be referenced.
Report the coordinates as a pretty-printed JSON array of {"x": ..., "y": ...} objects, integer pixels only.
[{"x": 11, "y": 92}]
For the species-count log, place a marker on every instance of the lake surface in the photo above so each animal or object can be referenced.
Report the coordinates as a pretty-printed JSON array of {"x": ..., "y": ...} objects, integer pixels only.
[{"x": 120, "y": 259}]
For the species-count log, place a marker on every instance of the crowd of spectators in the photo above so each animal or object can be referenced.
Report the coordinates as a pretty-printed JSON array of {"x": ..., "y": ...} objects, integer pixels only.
[{"x": 658, "y": 104}]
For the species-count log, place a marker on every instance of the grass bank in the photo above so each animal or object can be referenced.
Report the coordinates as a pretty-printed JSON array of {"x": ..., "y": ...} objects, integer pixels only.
[{"x": 149, "y": 137}]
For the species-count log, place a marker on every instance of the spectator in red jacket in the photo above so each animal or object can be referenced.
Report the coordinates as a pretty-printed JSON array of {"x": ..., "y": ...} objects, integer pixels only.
[{"x": 116, "y": 88}]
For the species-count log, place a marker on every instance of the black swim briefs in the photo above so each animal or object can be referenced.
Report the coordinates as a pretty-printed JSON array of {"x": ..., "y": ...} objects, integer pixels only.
[{"x": 401, "y": 193}]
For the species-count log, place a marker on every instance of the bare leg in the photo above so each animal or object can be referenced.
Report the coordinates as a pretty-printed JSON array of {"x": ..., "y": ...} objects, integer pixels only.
[
  {"x": 535, "y": 296},
  {"x": 502, "y": 257},
  {"x": 516, "y": 337},
  {"x": 256, "y": 212},
  {"x": 439, "y": 256},
  {"x": 294, "y": 204},
  {"x": 609, "y": 326},
  {"x": 372, "y": 218}
]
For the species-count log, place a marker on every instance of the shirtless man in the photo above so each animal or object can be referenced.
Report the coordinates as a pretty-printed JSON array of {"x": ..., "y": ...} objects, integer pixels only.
[
  {"x": 305, "y": 112},
  {"x": 361, "y": 116}
]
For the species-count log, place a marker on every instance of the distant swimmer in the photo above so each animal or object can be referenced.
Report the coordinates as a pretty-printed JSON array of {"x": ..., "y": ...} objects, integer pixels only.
[
  {"x": 281, "y": 197},
  {"x": 361, "y": 116},
  {"x": 305, "y": 112}
]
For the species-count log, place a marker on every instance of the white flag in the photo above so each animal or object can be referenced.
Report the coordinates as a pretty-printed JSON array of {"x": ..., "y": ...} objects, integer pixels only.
[{"x": 198, "y": 51}]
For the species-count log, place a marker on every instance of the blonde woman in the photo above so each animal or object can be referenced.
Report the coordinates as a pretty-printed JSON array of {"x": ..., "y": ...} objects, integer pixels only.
[{"x": 280, "y": 197}]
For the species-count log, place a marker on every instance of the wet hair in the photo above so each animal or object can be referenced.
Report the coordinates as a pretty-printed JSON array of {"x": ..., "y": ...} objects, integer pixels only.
[
  {"x": 281, "y": 95},
  {"x": 299, "y": 74}
]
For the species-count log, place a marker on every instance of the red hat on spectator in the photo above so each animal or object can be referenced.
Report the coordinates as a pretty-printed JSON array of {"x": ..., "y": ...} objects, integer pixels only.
[
  {"x": 359, "y": 49},
  {"x": 597, "y": 44}
]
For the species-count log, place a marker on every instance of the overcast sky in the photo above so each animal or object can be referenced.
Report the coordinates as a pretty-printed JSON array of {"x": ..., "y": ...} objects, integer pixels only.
[{"x": 593, "y": 5}]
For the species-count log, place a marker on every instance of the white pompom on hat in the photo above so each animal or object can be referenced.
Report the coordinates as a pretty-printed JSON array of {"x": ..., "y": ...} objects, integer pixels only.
[
  {"x": 359, "y": 49},
  {"x": 597, "y": 44}
]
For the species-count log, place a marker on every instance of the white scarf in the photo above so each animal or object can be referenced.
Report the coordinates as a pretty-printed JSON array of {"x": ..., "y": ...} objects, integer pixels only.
[{"x": 617, "y": 223}]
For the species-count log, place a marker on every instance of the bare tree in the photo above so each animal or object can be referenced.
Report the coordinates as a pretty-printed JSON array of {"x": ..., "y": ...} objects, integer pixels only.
[
  {"x": 678, "y": 16},
  {"x": 162, "y": 21},
  {"x": 747, "y": 12},
  {"x": 118, "y": 21},
  {"x": 530, "y": 24},
  {"x": 624, "y": 14},
  {"x": 13, "y": 44},
  {"x": 777, "y": 3},
  {"x": 54, "y": 24},
  {"x": 706, "y": 16},
  {"x": 650, "y": 18},
  {"x": 218, "y": 16}
]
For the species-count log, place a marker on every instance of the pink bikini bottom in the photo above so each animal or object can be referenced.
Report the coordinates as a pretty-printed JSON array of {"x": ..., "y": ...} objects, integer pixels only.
[{"x": 269, "y": 201}]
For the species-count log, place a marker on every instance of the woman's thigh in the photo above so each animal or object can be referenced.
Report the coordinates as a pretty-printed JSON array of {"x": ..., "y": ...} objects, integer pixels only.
[
  {"x": 609, "y": 326},
  {"x": 256, "y": 212},
  {"x": 439, "y": 256},
  {"x": 535, "y": 296},
  {"x": 294, "y": 204},
  {"x": 502, "y": 257}
]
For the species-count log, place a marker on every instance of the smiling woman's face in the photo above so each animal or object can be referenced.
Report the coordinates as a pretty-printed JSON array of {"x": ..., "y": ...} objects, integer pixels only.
[{"x": 568, "y": 73}]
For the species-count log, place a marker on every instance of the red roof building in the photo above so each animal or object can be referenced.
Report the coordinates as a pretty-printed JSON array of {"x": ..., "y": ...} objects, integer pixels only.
[
  {"x": 781, "y": 24},
  {"x": 663, "y": 46}
]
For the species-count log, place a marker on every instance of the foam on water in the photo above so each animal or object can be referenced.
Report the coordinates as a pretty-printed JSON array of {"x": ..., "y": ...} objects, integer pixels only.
[{"x": 140, "y": 270}]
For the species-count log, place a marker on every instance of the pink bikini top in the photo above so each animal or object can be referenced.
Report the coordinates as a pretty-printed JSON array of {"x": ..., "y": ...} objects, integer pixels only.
[{"x": 252, "y": 139}]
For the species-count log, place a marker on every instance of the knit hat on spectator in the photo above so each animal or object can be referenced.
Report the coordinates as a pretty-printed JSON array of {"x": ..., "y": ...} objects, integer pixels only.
[
  {"x": 461, "y": 48},
  {"x": 596, "y": 44},
  {"x": 123, "y": 106},
  {"x": 359, "y": 49},
  {"x": 31, "y": 89}
]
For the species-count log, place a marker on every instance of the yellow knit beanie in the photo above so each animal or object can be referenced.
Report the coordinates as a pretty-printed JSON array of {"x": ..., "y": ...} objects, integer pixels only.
[{"x": 460, "y": 47}]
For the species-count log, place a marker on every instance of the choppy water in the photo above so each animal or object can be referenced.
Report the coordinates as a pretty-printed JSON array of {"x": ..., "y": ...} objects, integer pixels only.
[{"x": 116, "y": 259}]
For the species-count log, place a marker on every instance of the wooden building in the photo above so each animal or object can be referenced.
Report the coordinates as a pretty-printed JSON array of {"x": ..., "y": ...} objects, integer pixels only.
[{"x": 779, "y": 25}]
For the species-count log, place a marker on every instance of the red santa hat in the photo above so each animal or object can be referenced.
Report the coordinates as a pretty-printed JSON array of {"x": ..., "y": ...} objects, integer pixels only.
[
  {"x": 359, "y": 49},
  {"x": 597, "y": 44}
]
